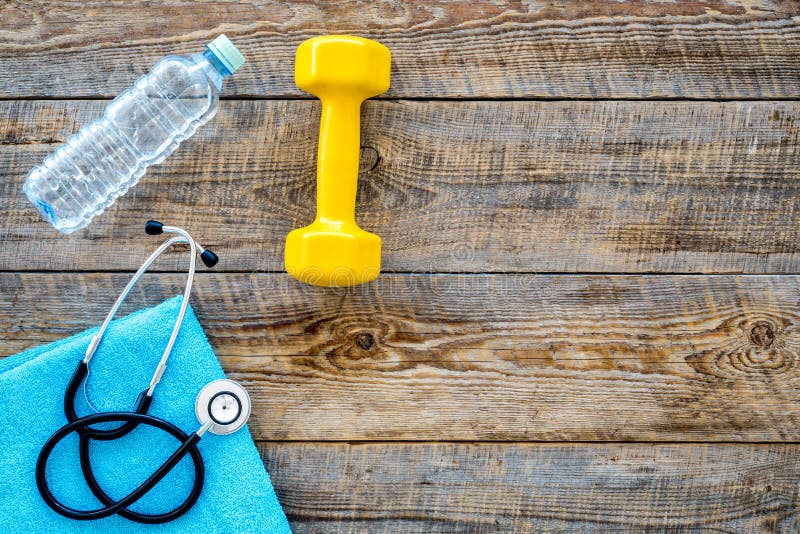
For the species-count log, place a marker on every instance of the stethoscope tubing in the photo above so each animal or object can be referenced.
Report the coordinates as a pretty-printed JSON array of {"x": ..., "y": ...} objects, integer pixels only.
[
  {"x": 142, "y": 405},
  {"x": 111, "y": 507}
]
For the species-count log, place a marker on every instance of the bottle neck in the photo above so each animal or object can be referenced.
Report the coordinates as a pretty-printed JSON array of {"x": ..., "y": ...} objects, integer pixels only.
[
  {"x": 214, "y": 61},
  {"x": 212, "y": 67}
]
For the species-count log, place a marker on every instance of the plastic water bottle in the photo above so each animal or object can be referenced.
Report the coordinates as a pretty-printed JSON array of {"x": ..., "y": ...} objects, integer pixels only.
[{"x": 139, "y": 128}]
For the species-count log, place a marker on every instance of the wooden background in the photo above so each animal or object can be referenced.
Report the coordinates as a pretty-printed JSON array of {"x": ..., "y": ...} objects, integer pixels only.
[{"x": 589, "y": 317}]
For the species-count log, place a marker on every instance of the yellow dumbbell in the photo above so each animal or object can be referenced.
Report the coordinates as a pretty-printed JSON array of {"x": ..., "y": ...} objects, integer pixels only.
[{"x": 342, "y": 71}]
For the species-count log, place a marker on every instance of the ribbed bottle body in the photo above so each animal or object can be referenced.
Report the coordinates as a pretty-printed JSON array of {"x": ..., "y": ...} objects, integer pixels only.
[{"x": 139, "y": 128}]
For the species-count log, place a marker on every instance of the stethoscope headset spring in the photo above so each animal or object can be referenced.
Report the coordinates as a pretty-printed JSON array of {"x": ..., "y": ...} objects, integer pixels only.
[{"x": 222, "y": 407}]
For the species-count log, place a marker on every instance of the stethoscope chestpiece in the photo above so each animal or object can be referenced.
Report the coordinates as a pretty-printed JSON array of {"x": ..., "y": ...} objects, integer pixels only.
[{"x": 224, "y": 403}]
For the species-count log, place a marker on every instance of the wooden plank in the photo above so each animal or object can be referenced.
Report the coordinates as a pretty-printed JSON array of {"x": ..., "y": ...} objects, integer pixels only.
[
  {"x": 451, "y": 187},
  {"x": 475, "y": 357},
  {"x": 402, "y": 487},
  {"x": 481, "y": 48}
]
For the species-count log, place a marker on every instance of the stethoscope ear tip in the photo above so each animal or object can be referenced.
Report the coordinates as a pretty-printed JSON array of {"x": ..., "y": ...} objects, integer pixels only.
[
  {"x": 209, "y": 258},
  {"x": 224, "y": 404},
  {"x": 153, "y": 227}
]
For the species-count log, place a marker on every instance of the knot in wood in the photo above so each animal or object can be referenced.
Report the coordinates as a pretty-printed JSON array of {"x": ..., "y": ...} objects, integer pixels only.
[
  {"x": 365, "y": 340},
  {"x": 751, "y": 348},
  {"x": 762, "y": 334},
  {"x": 368, "y": 159}
]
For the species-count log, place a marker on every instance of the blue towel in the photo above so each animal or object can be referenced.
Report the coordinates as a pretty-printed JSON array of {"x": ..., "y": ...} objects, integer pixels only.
[{"x": 237, "y": 496}]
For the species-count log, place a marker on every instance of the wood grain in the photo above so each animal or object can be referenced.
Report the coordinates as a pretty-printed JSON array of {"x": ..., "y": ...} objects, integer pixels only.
[
  {"x": 475, "y": 357},
  {"x": 450, "y": 187},
  {"x": 476, "y": 49},
  {"x": 555, "y": 136},
  {"x": 431, "y": 488}
]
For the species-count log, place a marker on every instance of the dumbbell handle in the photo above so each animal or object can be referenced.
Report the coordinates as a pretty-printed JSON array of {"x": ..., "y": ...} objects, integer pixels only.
[{"x": 338, "y": 159}]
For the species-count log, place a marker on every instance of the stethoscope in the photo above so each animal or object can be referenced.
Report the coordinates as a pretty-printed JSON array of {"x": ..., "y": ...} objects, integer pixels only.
[{"x": 222, "y": 407}]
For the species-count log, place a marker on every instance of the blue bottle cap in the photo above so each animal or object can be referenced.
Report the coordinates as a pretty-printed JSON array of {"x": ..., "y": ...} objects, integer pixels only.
[{"x": 227, "y": 53}]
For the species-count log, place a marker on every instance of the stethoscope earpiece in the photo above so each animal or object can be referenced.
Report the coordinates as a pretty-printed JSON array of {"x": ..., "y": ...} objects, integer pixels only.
[
  {"x": 153, "y": 227},
  {"x": 223, "y": 405},
  {"x": 209, "y": 258}
]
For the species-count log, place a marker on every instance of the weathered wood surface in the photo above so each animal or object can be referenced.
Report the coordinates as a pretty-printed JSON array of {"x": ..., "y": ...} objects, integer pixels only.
[
  {"x": 402, "y": 487},
  {"x": 491, "y": 179},
  {"x": 450, "y": 187},
  {"x": 483, "y": 48},
  {"x": 475, "y": 357}
]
